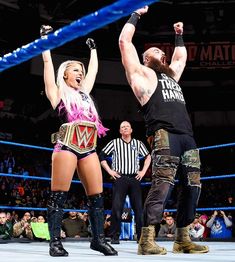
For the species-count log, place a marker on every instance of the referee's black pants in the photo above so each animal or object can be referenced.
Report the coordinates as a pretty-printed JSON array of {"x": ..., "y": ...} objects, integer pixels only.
[{"x": 123, "y": 186}]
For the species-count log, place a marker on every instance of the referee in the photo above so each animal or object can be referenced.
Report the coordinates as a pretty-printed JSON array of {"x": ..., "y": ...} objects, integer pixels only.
[{"x": 125, "y": 170}]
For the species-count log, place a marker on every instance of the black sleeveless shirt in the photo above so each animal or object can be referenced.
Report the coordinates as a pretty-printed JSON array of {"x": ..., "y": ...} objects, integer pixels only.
[{"x": 166, "y": 108}]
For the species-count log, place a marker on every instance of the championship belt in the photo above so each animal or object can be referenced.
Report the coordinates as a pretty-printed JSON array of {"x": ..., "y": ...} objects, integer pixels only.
[{"x": 79, "y": 136}]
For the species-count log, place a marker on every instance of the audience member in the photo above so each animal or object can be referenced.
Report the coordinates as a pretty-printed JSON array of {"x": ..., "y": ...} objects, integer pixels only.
[
  {"x": 167, "y": 229},
  {"x": 203, "y": 220},
  {"x": 6, "y": 230},
  {"x": 40, "y": 228},
  {"x": 220, "y": 225},
  {"x": 74, "y": 226},
  {"x": 164, "y": 215},
  {"x": 10, "y": 163},
  {"x": 41, "y": 219},
  {"x": 230, "y": 201},
  {"x": 196, "y": 229},
  {"x": 23, "y": 227}
]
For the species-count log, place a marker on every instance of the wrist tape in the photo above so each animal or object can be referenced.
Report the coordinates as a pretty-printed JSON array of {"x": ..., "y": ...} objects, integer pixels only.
[
  {"x": 134, "y": 18},
  {"x": 179, "y": 41}
]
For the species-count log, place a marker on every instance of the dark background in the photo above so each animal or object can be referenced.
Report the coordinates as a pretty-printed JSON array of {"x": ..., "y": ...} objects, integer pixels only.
[{"x": 209, "y": 92}]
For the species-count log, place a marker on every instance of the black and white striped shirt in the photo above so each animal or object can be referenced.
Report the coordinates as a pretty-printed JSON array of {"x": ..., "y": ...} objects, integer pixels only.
[{"x": 125, "y": 156}]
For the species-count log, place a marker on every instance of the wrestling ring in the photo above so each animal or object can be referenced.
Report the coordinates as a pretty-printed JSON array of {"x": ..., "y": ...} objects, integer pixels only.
[
  {"x": 79, "y": 250},
  {"x": 25, "y": 250}
]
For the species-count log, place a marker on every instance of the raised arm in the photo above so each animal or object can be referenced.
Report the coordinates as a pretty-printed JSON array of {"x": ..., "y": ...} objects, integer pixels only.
[
  {"x": 130, "y": 58},
  {"x": 179, "y": 57},
  {"x": 51, "y": 88},
  {"x": 139, "y": 77},
  {"x": 92, "y": 70}
]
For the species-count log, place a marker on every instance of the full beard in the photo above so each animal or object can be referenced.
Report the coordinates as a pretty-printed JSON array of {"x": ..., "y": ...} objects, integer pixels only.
[{"x": 158, "y": 67}]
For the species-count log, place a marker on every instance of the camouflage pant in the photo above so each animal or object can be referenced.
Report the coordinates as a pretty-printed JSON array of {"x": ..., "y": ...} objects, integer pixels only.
[{"x": 173, "y": 155}]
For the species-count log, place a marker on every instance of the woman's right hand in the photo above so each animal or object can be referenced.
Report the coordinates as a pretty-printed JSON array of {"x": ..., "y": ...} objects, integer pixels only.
[{"x": 91, "y": 43}]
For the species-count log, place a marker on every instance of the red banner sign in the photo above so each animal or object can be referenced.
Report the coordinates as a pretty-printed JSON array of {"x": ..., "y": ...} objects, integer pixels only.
[{"x": 203, "y": 55}]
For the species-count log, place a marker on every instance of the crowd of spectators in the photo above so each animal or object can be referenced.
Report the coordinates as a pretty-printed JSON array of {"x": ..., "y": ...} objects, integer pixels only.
[
  {"x": 29, "y": 163},
  {"x": 32, "y": 227}
]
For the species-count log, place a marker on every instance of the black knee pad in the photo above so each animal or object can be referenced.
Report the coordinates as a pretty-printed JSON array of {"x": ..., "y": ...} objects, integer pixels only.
[{"x": 95, "y": 201}]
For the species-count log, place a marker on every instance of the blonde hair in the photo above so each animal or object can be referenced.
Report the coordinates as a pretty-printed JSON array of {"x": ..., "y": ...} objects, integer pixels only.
[{"x": 73, "y": 100}]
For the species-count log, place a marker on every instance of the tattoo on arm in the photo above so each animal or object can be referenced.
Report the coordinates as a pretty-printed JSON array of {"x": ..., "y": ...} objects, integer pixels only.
[
  {"x": 143, "y": 93},
  {"x": 178, "y": 69},
  {"x": 149, "y": 92}
]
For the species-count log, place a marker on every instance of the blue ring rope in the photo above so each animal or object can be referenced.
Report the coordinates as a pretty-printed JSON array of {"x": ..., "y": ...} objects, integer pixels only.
[
  {"x": 216, "y": 146},
  {"x": 76, "y": 29},
  {"x": 108, "y": 185},
  {"x": 108, "y": 211},
  {"x": 50, "y": 149},
  {"x": 44, "y": 209},
  {"x": 206, "y": 209},
  {"x": 25, "y": 145}
]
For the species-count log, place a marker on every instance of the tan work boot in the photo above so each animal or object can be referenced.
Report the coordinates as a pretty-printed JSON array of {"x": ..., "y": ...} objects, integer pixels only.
[
  {"x": 147, "y": 245},
  {"x": 184, "y": 244}
]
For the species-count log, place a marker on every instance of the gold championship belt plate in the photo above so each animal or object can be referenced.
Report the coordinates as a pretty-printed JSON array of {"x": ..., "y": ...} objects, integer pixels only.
[{"x": 79, "y": 136}]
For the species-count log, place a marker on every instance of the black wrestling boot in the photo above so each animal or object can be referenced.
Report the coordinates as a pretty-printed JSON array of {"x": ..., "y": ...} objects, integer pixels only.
[
  {"x": 54, "y": 218},
  {"x": 96, "y": 218},
  {"x": 57, "y": 249}
]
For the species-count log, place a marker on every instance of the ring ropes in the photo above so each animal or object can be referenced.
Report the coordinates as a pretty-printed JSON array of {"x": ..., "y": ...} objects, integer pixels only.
[
  {"x": 63, "y": 35},
  {"x": 74, "y": 30},
  {"x": 109, "y": 185}
]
